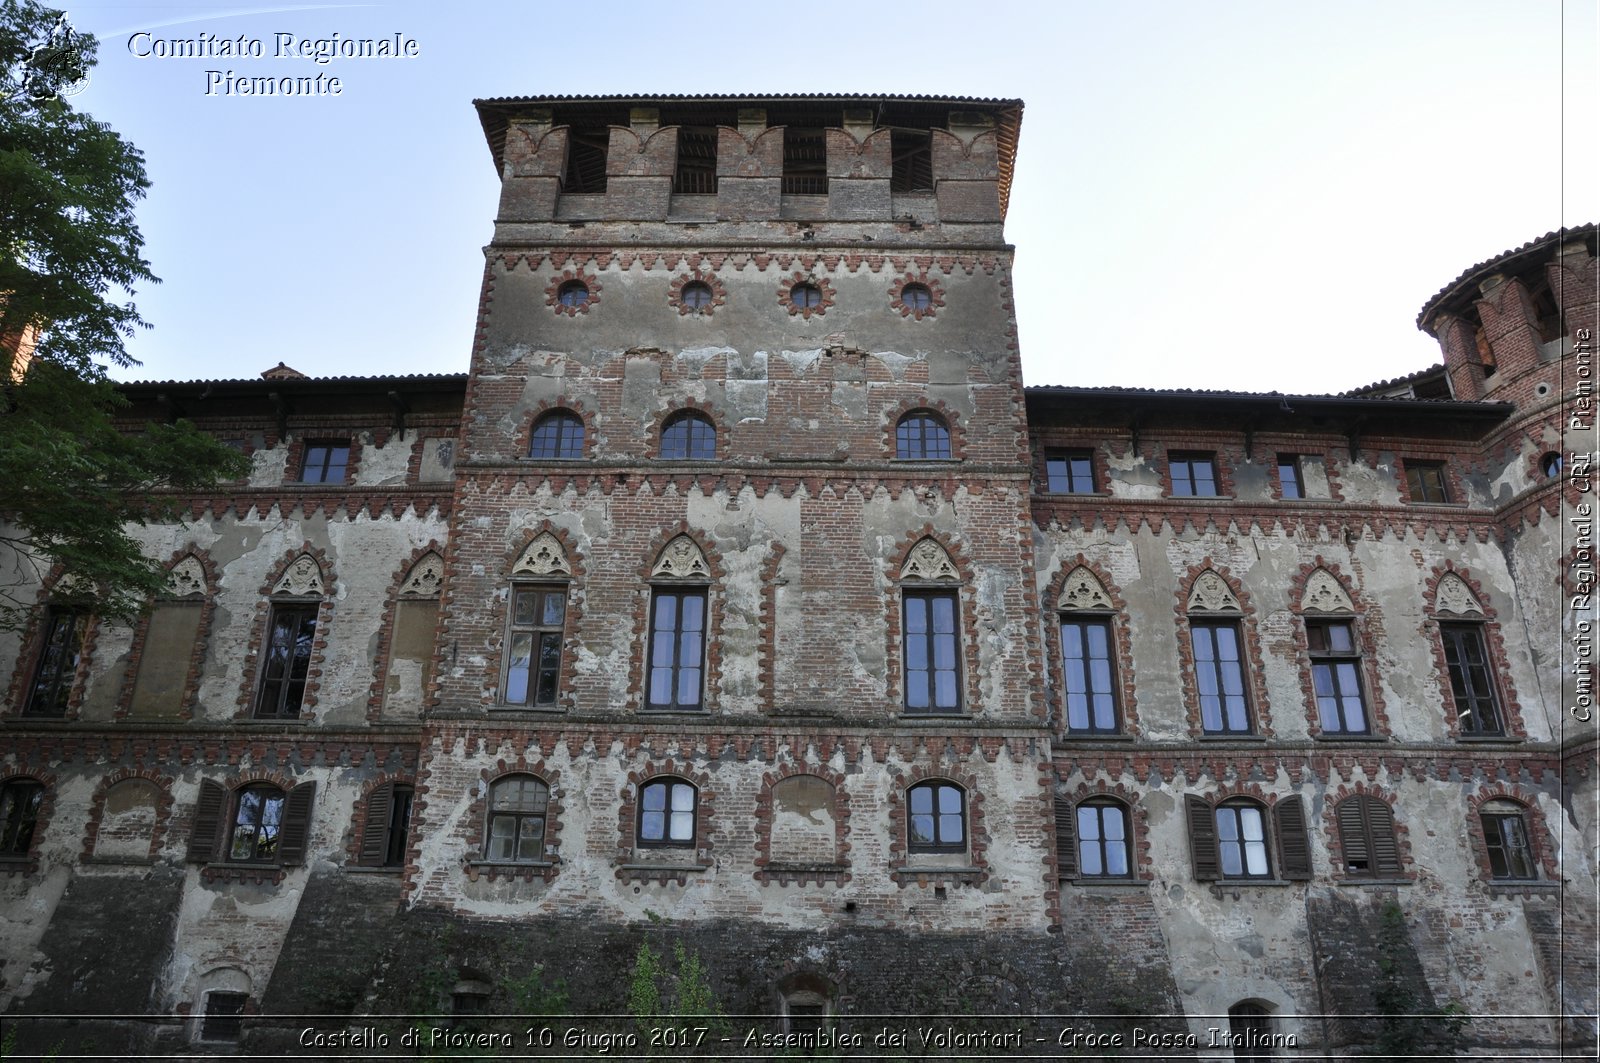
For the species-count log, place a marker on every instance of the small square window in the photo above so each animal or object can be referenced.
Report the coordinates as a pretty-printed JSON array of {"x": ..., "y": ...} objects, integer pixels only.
[
  {"x": 1069, "y": 472},
  {"x": 1426, "y": 481},
  {"x": 1194, "y": 475},
  {"x": 224, "y": 1016},
  {"x": 324, "y": 462},
  {"x": 1290, "y": 481}
]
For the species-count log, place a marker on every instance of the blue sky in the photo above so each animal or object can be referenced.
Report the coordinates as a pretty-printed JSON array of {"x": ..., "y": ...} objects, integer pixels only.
[{"x": 1246, "y": 195}]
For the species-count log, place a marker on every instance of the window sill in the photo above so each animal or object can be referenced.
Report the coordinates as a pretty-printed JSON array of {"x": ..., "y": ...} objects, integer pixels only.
[
  {"x": 363, "y": 869},
  {"x": 952, "y": 714},
  {"x": 1387, "y": 882},
  {"x": 1080, "y": 736},
  {"x": 1339, "y": 736},
  {"x": 1252, "y": 737},
  {"x": 1490, "y": 739},
  {"x": 673, "y": 868},
  {"x": 802, "y": 874},
  {"x": 119, "y": 861},
  {"x": 18, "y": 864},
  {"x": 1223, "y": 887},
  {"x": 1115, "y": 884},
  {"x": 258, "y": 874},
  {"x": 272, "y": 721},
  {"x": 526, "y": 710},
  {"x": 1199, "y": 498},
  {"x": 650, "y": 710},
  {"x": 495, "y": 865},
  {"x": 1506, "y": 887},
  {"x": 935, "y": 869}
]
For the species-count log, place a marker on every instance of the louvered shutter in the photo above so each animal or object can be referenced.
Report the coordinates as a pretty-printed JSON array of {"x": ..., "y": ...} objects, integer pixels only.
[
  {"x": 296, "y": 824},
  {"x": 1202, "y": 839},
  {"x": 1353, "y": 842},
  {"x": 1385, "y": 847},
  {"x": 1294, "y": 844},
  {"x": 209, "y": 808},
  {"x": 375, "y": 828},
  {"x": 1066, "y": 840}
]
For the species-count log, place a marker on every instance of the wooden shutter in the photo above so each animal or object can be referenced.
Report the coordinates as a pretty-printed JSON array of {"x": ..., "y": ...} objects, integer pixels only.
[
  {"x": 1353, "y": 844},
  {"x": 209, "y": 808},
  {"x": 296, "y": 824},
  {"x": 375, "y": 828},
  {"x": 1380, "y": 827},
  {"x": 1066, "y": 840},
  {"x": 1294, "y": 843},
  {"x": 1202, "y": 839}
]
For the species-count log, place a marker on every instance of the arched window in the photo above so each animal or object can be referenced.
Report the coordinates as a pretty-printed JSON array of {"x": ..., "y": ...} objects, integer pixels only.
[
  {"x": 937, "y": 819},
  {"x": 1508, "y": 839},
  {"x": 1230, "y": 840},
  {"x": 557, "y": 436},
  {"x": 258, "y": 823},
  {"x": 667, "y": 808},
  {"x": 688, "y": 437},
  {"x": 518, "y": 806},
  {"x": 922, "y": 435}
]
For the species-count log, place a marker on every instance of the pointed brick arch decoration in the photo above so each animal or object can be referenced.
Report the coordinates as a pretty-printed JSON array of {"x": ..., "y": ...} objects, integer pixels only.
[
  {"x": 1083, "y": 590},
  {"x": 930, "y": 563},
  {"x": 186, "y": 578},
  {"x": 426, "y": 578},
  {"x": 544, "y": 557},
  {"x": 1210, "y": 593},
  {"x": 1325, "y": 594},
  {"x": 1454, "y": 597},
  {"x": 681, "y": 558},
  {"x": 302, "y": 578}
]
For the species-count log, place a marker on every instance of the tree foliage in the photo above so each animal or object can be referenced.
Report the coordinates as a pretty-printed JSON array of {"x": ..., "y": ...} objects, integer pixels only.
[{"x": 71, "y": 482}]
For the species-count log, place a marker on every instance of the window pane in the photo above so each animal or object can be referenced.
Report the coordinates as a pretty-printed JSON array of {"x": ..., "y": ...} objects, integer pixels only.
[{"x": 517, "y": 671}]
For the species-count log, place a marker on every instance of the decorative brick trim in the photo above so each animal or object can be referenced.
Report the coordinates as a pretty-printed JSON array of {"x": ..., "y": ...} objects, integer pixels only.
[
  {"x": 1539, "y": 838},
  {"x": 524, "y": 441},
  {"x": 900, "y": 782},
  {"x": 767, "y": 872},
  {"x": 719, "y": 293},
  {"x": 97, "y": 804},
  {"x": 28, "y": 863},
  {"x": 766, "y": 641},
  {"x": 715, "y": 602},
  {"x": 1121, "y": 634},
  {"x": 1259, "y": 708},
  {"x": 33, "y": 638},
  {"x": 141, "y": 634},
  {"x": 935, "y": 295},
  {"x": 381, "y": 660},
  {"x": 251, "y": 682},
  {"x": 552, "y": 293},
  {"x": 1143, "y": 868},
  {"x": 897, "y": 413},
  {"x": 760, "y": 261},
  {"x": 302, "y": 435},
  {"x": 358, "y": 819},
  {"x": 1335, "y": 840},
  {"x": 801, "y": 277},
  {"x": 704, "y": 409},
  {"x": 477, "y": 820},
  {"x": 1500, "y": 670},
  {"x": 1221, "y": 460},
  {"x": 894, "y": 611},
  {"x": 628, "y": 823},
  {"x": 1367, "y": 624}
]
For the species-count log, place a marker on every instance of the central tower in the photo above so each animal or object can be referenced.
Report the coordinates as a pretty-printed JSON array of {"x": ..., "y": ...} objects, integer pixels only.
[{"x": 738, "y": 626}]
